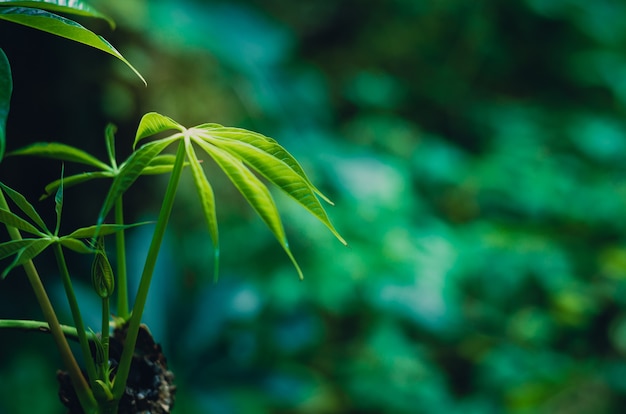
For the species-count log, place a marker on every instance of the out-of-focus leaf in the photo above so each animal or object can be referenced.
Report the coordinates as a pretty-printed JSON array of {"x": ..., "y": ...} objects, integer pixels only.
[
  {"x": 63, "y": 27},
  {"x": 153, "y": 123},
  {"x": 6, "y": 88},
  {"x": 25, "y": 206},
  {"x": 254, "y": 191},
  {"x": 62, "y": 152},
  {"x": 75, "y": 7}
]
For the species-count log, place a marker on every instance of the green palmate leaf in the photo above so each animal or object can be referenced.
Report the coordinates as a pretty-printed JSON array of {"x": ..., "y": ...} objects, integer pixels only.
[
  {"x": 72, "y": 180},
  {"x": 27, "y": 253},
  {"x": 60, "y": 152},
  {"x": 207, "y": 200},
  {"x": 263, "y": 143},
  {"x": 63, "y": 27},
  {"x": 28, "y": 209},
  {"x": 75, "y": 7},
  {"x": 101, "y": 230},
  {"x": 153, "y": 123},
  {"x": 11, "y": 247},
  {"x": 254, "y": 191},
  {"x": 130, "y": 170},
  {"x": 281, "y": 174},
  {"x": 6, "y": 88},
  {"x": 12, "y": 220},
  {"x": 76, "y": 245}
]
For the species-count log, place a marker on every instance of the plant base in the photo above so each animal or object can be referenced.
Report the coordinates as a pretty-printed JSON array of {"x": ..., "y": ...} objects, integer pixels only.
[{"x": 149, "y": 389}]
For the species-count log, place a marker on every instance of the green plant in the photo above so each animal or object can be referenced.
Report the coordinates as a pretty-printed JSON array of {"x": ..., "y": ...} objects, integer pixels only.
[{"x": 241, "y": 154}]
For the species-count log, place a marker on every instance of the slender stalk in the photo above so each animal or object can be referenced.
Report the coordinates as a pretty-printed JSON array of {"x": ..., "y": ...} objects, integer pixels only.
[
  {"x": 40, "y": 326},
  {"x": 146, "y": 276},
  {"x": 105, "y": 334},
  {"x": 122, "y": 280},
  {"x": 78, "y": 320},
  {"x": 84, "y": 393}
]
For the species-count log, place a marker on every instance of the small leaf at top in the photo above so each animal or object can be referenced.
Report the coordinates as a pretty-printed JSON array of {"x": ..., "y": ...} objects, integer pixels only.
[
  {"x": 6, "y": 88},
  {"x": 62, "y": 27},
  {"x": 76, "y": 7},
  {"x": 153, "y": 123}
]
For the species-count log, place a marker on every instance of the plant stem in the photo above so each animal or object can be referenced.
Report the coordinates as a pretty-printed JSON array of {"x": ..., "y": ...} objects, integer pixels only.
[
  {"x": 105, "y": 336},
  {"x": 40, "y": 326},
  {"x": 84, "y": 393},
  {"x": 122, "y": 280},
  {"x": 146, "y": 276},
  {"x": 78, "y": 320}
]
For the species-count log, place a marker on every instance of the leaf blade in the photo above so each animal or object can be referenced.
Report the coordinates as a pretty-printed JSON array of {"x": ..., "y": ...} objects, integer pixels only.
[
  {"x": 255, "y": 192},
  {"x": 207, "y": 201},
  {"x": 27, "y": 253},
  {"x": 13, "y": 220},
  {"x": 153, "y": 123},
  {"x": 26, "y": 207},
  {"x": 75, "y": 7},
  {"x": 62, "y": 27},
  {"x": 61, "y": 152},
  {"x": 281, "y": 174},
  {"x": 130, "y": 170}
]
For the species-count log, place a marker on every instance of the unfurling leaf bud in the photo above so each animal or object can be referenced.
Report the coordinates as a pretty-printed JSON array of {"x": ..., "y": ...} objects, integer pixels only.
[{"x": 102, "y": 277}]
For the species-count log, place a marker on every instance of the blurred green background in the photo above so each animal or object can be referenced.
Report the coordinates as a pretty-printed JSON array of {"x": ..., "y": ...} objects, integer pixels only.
[{"x": 475, "y": 151}]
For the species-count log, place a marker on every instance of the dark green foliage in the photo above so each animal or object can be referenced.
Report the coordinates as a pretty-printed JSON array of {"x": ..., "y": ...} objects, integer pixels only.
[{"x": 475, "y": 153}]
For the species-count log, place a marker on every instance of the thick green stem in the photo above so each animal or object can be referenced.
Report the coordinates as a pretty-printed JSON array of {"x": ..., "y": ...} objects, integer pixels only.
[
  {"x": 146, "y": 276},
  {"x": 85, "y": 395},
  {"x": 120, "y": 248},
  {"x": 78, "y": 320},
  {"x": 40, "y": 326}
]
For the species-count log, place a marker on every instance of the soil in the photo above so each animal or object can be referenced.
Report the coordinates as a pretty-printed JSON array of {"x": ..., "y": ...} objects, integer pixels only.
[{"x": 149, "y": 389}]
